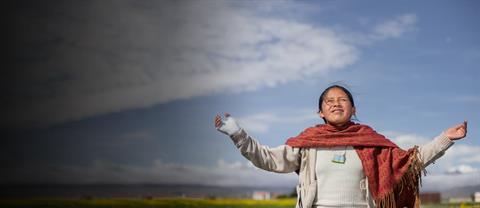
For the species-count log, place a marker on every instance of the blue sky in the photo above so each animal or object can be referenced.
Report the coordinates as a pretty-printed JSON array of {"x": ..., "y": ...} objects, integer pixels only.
[{"x": 126, "y": 91}]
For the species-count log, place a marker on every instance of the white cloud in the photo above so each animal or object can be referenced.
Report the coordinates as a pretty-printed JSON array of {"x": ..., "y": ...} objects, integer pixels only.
[
  {"x": 396, "y": 27},
  {"x": 464, "y": 150},
  {"x": 461, "y": 153},
  {"x": 446, "y": 181},
  {"x": 381, "y": 30},
  {"x": 261, "y": 122},
  {"x": 156, "y": 52},
  {"x": 461, "y": 169},
  {"x": 405, "y": 140},
  {"x": 473, "y": 158}
]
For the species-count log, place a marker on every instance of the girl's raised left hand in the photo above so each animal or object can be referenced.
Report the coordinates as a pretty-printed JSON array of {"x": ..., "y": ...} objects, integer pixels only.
[{"x": 457, "y": 132}]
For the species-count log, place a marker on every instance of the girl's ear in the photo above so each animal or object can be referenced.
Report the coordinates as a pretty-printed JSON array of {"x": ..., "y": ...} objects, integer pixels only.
[{"x": 321, "y": 114}]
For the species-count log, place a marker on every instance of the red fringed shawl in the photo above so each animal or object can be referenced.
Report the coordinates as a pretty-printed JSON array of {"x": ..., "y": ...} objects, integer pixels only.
[{"x": 394, "y": 175}]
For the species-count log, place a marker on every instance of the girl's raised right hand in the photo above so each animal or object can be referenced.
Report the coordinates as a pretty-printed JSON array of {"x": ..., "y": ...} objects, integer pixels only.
[{"x": 227, "y": 126}]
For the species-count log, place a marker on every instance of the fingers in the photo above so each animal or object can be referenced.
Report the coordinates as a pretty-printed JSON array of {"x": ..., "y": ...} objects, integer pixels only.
[
  {"x": 218, "y": 119},
  {"x": 462, "y": 129},
  {"x": 462, "y": 126},
  {"x": 459, "y": 126}
]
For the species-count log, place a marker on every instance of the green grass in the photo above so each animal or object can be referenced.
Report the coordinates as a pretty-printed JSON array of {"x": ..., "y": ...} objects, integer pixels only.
[
  {"x": 166, "y": 202},
  {"x": 452, "y": 205},
  {"x": 174, "y": 202}
]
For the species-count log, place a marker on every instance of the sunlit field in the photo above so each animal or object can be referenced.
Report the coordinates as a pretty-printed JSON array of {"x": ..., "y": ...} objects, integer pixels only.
[
  {"x": 452, "y": 205},
  {"x": 174, "y": 202},
  {"x": 164, "y": 202}
]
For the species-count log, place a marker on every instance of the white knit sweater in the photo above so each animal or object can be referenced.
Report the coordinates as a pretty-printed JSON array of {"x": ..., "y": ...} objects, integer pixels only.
[{"x": 339, "y": 185}]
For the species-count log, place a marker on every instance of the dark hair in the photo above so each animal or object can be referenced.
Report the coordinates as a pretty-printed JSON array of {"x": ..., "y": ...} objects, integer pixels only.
[{"x": 322, "y": 96}]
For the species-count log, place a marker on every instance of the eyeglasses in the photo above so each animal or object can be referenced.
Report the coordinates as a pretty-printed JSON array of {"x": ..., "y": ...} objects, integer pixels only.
[{"x": 340, "y": 100}]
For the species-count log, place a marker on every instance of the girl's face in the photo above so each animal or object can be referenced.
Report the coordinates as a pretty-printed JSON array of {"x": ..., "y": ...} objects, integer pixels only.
[{"x": 336, "y": 107}]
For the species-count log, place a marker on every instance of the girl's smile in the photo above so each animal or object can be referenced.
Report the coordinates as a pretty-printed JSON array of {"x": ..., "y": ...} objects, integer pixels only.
[{"x": 337, "y": 108}]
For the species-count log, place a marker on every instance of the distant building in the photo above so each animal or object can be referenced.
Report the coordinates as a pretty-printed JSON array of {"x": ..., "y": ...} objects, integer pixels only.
[
  {"x": 430, "y": 198},
  {"x": 261, "y": 195},
  {"x": 476, "y": 197}
]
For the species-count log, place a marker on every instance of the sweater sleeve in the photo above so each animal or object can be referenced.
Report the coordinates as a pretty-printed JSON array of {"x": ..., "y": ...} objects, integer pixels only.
[
  {"x": 434, "y": 149},
  {"x": 281, "y": 159}
]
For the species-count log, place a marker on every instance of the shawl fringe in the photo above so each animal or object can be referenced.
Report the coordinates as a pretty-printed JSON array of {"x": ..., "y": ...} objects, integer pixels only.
[{"x": 412, "y": 179}]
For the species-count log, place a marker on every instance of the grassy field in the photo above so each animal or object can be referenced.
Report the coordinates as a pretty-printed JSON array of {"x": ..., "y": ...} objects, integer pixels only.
[
  {"x": 453, "y": 205},
  {"x": 172, "y": 202},
  {"x": 169, "y": 202}
]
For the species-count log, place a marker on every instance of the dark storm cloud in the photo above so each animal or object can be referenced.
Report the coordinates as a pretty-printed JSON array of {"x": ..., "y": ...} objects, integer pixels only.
[
  {"x": 65, "y": 57},
  {"x": 70, "y": 60}
]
